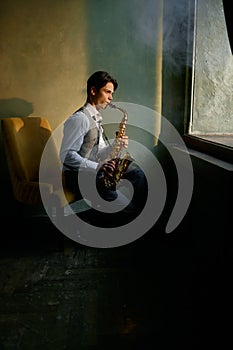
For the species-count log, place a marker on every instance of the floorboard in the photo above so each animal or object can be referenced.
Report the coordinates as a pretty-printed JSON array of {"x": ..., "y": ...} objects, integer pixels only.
[{"x": 137, "y": 296}]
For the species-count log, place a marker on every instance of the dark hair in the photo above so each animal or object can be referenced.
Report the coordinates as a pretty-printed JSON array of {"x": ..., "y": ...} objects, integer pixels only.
[{"x": 100, "y": 79}]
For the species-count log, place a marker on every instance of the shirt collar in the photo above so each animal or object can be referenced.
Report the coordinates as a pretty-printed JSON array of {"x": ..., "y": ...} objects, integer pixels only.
[{"x": 94, "y": 112}]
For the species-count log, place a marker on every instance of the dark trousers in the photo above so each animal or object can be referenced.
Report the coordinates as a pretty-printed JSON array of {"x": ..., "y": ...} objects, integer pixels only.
[{"x": 133, "y": 174}]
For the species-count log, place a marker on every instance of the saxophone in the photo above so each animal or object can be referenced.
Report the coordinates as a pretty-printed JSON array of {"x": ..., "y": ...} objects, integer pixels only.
[{"x": 121, "y": 162}]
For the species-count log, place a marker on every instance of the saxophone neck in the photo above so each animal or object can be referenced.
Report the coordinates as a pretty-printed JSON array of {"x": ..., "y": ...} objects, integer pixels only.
[{"x": 111, "y": 105}]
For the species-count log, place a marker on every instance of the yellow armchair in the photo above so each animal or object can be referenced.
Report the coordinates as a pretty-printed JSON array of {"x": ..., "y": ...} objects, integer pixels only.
[{"x": 24, "y": 141}]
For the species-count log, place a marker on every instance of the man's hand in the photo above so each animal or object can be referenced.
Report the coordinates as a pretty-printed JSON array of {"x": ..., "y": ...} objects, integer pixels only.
[
  {"x": 125, "y": 141},
  {"x": 108, "y": 167}
]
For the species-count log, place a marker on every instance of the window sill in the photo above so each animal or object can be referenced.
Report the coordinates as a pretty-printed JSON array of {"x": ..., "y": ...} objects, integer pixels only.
[{"x": 219, "y": 146}]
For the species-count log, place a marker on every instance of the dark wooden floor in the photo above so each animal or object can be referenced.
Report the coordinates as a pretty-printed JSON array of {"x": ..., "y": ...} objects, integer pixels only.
[{"x": 149, "y": 294}]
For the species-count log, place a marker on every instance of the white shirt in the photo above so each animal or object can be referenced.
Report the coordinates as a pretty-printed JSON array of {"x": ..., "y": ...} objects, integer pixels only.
[{"x": 75, "y": 128}]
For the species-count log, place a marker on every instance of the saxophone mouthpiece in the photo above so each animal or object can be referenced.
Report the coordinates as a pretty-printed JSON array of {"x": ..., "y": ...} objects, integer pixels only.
[{"x": 111, "y": 105}]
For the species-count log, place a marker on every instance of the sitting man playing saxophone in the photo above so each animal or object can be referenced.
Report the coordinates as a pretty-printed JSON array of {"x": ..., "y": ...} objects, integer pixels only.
[{"x": 85, "y": 149}]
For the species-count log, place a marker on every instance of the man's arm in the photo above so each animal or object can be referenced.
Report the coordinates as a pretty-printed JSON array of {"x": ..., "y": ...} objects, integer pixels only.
[{"x": 75, "y": 128}]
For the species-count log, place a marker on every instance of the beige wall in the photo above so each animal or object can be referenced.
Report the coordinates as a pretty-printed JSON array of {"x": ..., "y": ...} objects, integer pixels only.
[
  {"x": 43, "y": 57},
  {"x": 50, "y": 47}
]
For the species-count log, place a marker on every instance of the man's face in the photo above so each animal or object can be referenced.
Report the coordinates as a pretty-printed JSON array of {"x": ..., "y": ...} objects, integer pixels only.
[{"x": 104, "y": 96}]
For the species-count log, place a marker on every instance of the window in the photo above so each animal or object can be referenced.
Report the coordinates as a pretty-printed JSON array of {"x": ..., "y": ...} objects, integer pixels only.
[{"x": 210, "y": 128}]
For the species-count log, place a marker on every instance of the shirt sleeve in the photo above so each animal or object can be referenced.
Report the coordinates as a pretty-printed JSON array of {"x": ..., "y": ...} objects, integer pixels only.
[{"x": 75, "y": 128}]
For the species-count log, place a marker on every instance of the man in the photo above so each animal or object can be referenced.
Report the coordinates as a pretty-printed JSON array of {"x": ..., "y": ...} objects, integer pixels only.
[{"x": 85, "y": 152}]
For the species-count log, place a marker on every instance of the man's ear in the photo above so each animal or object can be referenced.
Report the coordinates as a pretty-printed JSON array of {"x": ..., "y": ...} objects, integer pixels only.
[{"x": 93, "y": 90}]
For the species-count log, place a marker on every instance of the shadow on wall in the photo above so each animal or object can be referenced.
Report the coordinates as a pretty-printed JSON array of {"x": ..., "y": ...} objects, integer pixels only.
[{"x": 15, "y": 107}]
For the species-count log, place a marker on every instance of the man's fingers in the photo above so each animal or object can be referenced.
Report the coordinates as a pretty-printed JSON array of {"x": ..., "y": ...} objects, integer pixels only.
[{"x": 109, "y": 167}]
